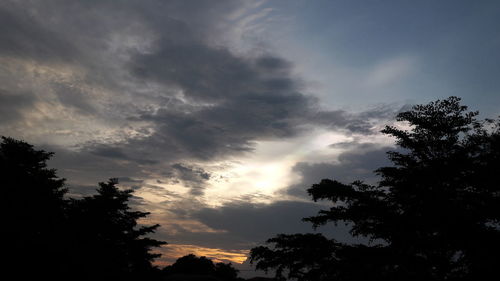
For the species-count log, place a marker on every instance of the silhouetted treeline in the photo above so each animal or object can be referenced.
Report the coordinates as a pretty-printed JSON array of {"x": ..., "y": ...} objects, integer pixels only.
[
  {"x": 46, "y": 236},
  {"x": 434, "y": 215},
  {"x": 191, "y": 267}
]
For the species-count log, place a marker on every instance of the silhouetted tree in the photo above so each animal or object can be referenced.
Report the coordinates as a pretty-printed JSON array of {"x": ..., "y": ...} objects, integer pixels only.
[
  {"x": 32, "y": 209},
  {"x": 46, "y": 236},
  {"x": 202, "y": 267},
  {"x": 435, "y": 214},
  {"x": 225, "y": 271},
  {"x": 192, "y": 264},
  {"x": 111, "y": 244}
]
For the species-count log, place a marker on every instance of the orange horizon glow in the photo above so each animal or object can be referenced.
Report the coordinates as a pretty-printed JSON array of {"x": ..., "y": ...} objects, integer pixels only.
[{"x": 171, "y": 252}]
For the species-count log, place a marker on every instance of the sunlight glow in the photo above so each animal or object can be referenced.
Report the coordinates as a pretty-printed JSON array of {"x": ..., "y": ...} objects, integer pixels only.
[{"x": 172, "y": 252}]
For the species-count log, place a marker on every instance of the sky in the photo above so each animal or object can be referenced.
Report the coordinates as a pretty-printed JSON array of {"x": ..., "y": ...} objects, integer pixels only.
[{"x": 220, "y": 114}]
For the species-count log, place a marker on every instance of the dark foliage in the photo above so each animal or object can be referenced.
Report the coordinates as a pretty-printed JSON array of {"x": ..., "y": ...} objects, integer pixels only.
[
  {"x": 225, "y": 271},
  {"x": 32, "y": 209},
  {"x": 46, "y": 236},
  {"x": 110, "y": 243},
  {"x": 435, "y": 214},
  {"x": 200, "y": 268},
  {"x": 192, "y": 264}
]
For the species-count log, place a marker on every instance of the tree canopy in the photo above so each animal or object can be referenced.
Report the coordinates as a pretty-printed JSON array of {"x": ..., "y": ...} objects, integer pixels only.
[
  {"x": 201, "y": 267},
  {"x": 46, "y": 235},
  {"x": 434, "y": 215},
  {"x": 109, "y": 240},
  {"x": 32, "y": 208}
]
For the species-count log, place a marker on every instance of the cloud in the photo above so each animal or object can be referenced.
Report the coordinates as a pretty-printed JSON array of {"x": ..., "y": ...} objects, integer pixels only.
[
  {"x": 257, "y": 222},
  {"x": 234, "y": 226},
  {"x": 242, "y": 225},
  {"x": 358, "y": 163},
  {"x": 148, "y": 92},
  {"x": 141, "y": 90},
  {"x": 12, "y": 105},
  {"x": 24, "y": 36},
  {"x": 217, "y": 255},
  {"x": 193, "y": 177},
  {"x": 86, "y": 169},
  {"x": 144, "y": 85}
]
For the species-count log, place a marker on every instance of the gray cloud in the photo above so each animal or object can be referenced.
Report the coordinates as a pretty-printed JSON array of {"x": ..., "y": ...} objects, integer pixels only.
[
  {"x": 11, "y": 105},
  {"x": 254, "y": 223},
  {"x": 129, "y": 180},
  {"x": 192, "y": 177},
  {"x": 358, "y": 163},
  {"x": 23, "y": 35},
  {"x": 152, "y": 94},
  {"x": 194, "y": 99},
  {"x": 245, "y": 225},
  {"x": 84, "y": 169},
  {"x": 74, "y": 97}
]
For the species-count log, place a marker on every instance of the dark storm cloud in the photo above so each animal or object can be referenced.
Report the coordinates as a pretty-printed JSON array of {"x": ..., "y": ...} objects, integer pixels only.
[
  {"x": 129, "y": 180},
  {"x": 239, "y": 101},
  {"x": 358, "y": 163},
  {"x": 200, "y": 100},
  {"x": 193, "y": 177},
  {"x": 115, "y": 152},
  {"x": 273, "y": 63},
  {"x": 11, "y": 105},
  {"x": 243, "y": 225},
  {"x": 181, "y": 135},
  {"x": 360, "y": 122},
  {"x": 164, "y": 94},
  {"x": 84, "y": 169},
  {"x": 190, "y": 173},
  {"x": 24, "y": 36},
  {"x": 340, "y": 118},
  {"x": 234, "y": 101},
  {"x": 254, "y": 222},
  {"x": 246, "y": 225},
  {"x": 74, "y": 97},
  {"x": 109, "y": 151}
]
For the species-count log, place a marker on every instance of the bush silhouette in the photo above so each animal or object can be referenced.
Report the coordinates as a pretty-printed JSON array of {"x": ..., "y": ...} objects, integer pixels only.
[{"x": 201, "y": 267}]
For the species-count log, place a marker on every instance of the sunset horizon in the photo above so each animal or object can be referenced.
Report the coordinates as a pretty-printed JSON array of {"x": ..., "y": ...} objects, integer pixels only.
[{"x": 219, "y": 115}]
